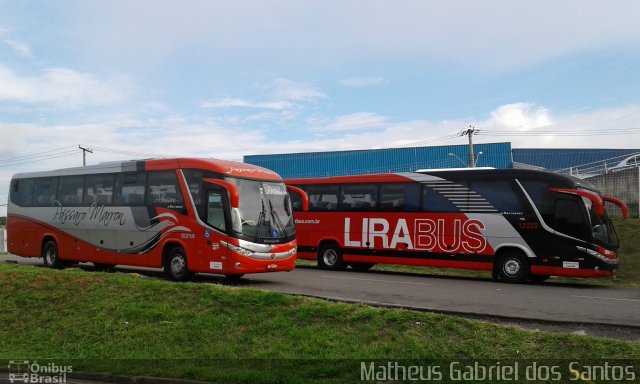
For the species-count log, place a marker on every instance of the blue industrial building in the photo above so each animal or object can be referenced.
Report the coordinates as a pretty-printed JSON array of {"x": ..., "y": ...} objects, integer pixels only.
[
  {"x": 338, "y": 163},
  {"x": 497, "y": 155}
]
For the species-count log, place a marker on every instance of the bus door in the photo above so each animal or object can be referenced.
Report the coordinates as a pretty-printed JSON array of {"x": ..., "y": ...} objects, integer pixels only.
[
  {"x": 217, "y": 219},
  {"x": 569, "y": 224}
]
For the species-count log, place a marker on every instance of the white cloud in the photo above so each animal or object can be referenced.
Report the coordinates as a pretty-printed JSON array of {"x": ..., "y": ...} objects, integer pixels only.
[
  {"x": 285, "y": 95},
  {"x": 364, "y": 82},
  {"x": 520, "y": 116},
  {"x": 359, "y": 121},
  {"x": 62, "y": 87},
  {"x": 289, "y": 90},
  {"x": 21, "y": 48},
  {"x": 240, "y": 103}
]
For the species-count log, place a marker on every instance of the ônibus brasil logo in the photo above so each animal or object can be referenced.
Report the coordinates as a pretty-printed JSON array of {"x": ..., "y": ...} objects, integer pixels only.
[{"x": 24, "y": 371}]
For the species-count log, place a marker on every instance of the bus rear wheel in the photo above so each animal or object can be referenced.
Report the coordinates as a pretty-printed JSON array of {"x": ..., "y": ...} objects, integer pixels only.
[
  {"x": 330, "y": 257},
  {"x": 512, "y": 267},
  {"x": 175, "y": 265},
  {"x": 50, "y": 255}
]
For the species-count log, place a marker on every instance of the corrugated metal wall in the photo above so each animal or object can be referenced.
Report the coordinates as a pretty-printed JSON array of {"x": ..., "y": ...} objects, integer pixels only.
[
  {"x": 561, "y": 158},
  {"x": 337, "y": 163}
]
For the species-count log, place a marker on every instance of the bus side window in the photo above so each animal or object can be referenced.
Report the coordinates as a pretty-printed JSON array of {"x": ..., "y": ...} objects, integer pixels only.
[
  {"x": 164, "y": 191},
  {"x": 70, "y": 190},
  {"x": 570, "y": 219},
  {"x": 432, "y": 201},
  {"x": 538, "y": 191},
  {"x": 21, "y": 192},
  {"x": 359, "y": 197},
  {"x": 44, "y": 192},
  {"x": 130, "y": 188},
  {"x": 323, "y": 197},
  {"x": 499, "y": 193},
  {"x": 392, "y": 196},
  {"x": 98, "y": 189},
  {"x": 215, "y": 209}
]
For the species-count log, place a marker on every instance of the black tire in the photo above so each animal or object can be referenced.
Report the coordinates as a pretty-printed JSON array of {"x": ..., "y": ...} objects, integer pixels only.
[
  {"x": 361, "y": 267},
  {"x": 50, "y": 255},
  {"x": 538, "y": 278},
  {"x": 512, "y": 267},
  {"x": 175, "y": 265},
  {"x": 330, "y": 257}
]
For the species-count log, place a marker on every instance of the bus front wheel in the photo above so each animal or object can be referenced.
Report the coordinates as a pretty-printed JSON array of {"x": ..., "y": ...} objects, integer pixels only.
[
  {"x": 50, "y": 255},
  {"x": 330, "y": 257},
  {"x": 513, "y": 267},
  {"x": 175, "y": 265}
]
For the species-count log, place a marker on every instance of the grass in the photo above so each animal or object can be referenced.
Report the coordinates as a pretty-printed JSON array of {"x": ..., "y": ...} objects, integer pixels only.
[
  {"x": 129, "y": 324},
  {"x": 628, "y": 273}
]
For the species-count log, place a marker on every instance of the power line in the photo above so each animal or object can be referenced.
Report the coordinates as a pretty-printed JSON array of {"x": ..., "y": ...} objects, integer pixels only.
[
  {"x": 35, "y": 155},
  {"x": 583, "y": 132},
  {"x": 124, "y": 152},
  {"x": 53, "y": 156}
]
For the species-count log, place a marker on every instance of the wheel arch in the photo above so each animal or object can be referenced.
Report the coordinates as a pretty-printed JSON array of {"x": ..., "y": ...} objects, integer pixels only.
[
  {"x": 511, "y": 247},
  {"x": 168, "y": 246},
  {"x": 329, "y": 240},
  {"x": 47, "y": 238}
]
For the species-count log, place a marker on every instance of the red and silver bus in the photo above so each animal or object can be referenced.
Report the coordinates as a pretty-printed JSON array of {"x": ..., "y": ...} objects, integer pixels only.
[
  {"x": 519, "y": 224},
  {"x": 183, "y": 215}
]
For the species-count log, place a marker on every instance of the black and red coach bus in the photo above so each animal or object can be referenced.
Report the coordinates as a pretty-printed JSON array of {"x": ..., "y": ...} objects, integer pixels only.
[
  {"x": 184, "y": 215},
  {"x": 519, "y": 224}
]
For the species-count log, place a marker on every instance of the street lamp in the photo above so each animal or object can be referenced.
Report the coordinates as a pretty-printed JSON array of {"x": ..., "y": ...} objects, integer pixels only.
[
  {"x": 459, "y": 159},
  {"x": 478, "y": 158}
]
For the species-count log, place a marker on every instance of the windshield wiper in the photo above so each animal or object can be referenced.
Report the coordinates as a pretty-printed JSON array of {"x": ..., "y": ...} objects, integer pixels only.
[{"x": 276, "y": 219}]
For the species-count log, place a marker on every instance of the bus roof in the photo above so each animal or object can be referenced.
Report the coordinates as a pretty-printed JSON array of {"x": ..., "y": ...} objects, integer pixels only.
[
  {"x": 225, "y": 167},
  {"x": 449, "y": 174}
]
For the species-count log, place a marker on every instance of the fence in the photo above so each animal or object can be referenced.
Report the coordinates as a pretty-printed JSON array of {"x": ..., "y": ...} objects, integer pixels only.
[
  {"x": 3, "y": 240},
  {"x": 624, "y": 185}
]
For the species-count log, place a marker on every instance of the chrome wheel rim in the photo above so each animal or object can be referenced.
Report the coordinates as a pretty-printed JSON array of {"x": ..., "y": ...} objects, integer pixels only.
[
  {"x": 177, "y": 265},
  {"x": 511, "y": 267},
  {"x": 330, "y": 257}
]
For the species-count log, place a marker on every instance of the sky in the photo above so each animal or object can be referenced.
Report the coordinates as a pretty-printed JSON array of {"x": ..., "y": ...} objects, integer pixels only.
[{"x": 135, "y": 79}]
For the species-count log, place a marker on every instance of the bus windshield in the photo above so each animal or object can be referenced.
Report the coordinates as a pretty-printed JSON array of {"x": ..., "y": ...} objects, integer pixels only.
[
  {"x": 601, "y": 226},
  {"x": 264, "y": 213}
]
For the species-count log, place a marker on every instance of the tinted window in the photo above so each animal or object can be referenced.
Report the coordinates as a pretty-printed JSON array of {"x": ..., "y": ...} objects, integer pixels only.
[
  {"x": 359, "y": 197},
  {"x": 499, "y": 193},
  {"x": 392, "y": 197},
  {"x": 44, "y": 191},
  {"x": 570, "y": 220},
  {"x": 99, "y": 189},
  {"x": 164, "y": 190},
  {"x": 21, "y": 192},
  {"x": 130, "y": 188},
  {"x": 70, "y": 190},
  {"x": 194, "y": 182},
  {"x": 323, "y": 197},
  {"x": 539, "y": 192},
  {"x": 432, "y": 201}
]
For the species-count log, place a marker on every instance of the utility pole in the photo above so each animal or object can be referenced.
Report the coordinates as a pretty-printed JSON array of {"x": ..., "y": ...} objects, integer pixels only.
[
  {"x": 84, "y": 154},
  {"x": 470, "y": 132}
]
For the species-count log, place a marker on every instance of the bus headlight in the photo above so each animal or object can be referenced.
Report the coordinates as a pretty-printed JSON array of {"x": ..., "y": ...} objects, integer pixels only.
[{"x": 237, "y": 249}]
